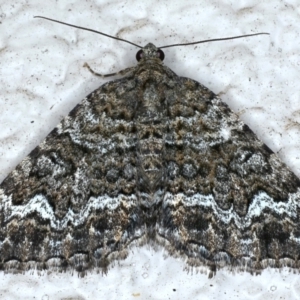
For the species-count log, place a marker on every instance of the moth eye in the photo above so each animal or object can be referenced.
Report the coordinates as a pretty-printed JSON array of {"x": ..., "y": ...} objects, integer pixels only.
[
  {"x": 139, "y": 55},
  {"x": 160, "y": 54}
]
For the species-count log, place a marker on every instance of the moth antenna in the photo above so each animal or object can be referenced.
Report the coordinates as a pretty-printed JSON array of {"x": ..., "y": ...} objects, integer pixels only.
[
  {"x": 168, "y": 46},
  {"x": 215, "y": 40},
  {"x": 88, "y": 29}
]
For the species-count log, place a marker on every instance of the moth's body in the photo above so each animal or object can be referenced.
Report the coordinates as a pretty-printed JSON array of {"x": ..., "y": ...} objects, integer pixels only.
[
  {"x": 152, "y": 127},
  {"x": 150, "y": 157}
]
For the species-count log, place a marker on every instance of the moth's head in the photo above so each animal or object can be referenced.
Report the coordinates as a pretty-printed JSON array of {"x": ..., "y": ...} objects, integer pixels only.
[{"x": 150, "y": 51}]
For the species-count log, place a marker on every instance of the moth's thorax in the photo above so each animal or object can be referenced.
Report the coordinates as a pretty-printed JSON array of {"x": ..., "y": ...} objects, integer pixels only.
[{"x": 151, "y": 123}]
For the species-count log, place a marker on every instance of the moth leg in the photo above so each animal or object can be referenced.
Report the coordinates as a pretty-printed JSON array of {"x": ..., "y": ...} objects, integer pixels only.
[{"x": 122, "y": 72}]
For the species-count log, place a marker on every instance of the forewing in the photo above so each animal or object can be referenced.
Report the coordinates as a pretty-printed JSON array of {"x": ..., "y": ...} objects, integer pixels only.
[
  {"x": 229, "y": 199},
  {"x": 71, "y": 202}
]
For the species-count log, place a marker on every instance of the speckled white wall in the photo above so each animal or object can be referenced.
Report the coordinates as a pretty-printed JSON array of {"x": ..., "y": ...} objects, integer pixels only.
[{"x": 42, "y": 79}]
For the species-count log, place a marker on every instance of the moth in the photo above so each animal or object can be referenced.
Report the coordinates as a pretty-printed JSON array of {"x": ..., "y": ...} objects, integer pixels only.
[{"x": 152, "y": 158}]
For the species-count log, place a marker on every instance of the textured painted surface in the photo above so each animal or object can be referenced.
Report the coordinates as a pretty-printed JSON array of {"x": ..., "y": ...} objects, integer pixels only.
[{"x": 258, "y": 80}]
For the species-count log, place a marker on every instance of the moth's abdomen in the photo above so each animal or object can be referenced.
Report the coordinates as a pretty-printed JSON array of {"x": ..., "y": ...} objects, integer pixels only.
[{"x": 151, "y": 152}]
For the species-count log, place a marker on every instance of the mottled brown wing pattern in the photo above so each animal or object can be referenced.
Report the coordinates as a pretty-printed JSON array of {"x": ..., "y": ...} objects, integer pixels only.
[
  {"x": 155, "y": 158},
  {"x": 72, "y": 202},
  {"x": 230, "y": 201}
]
